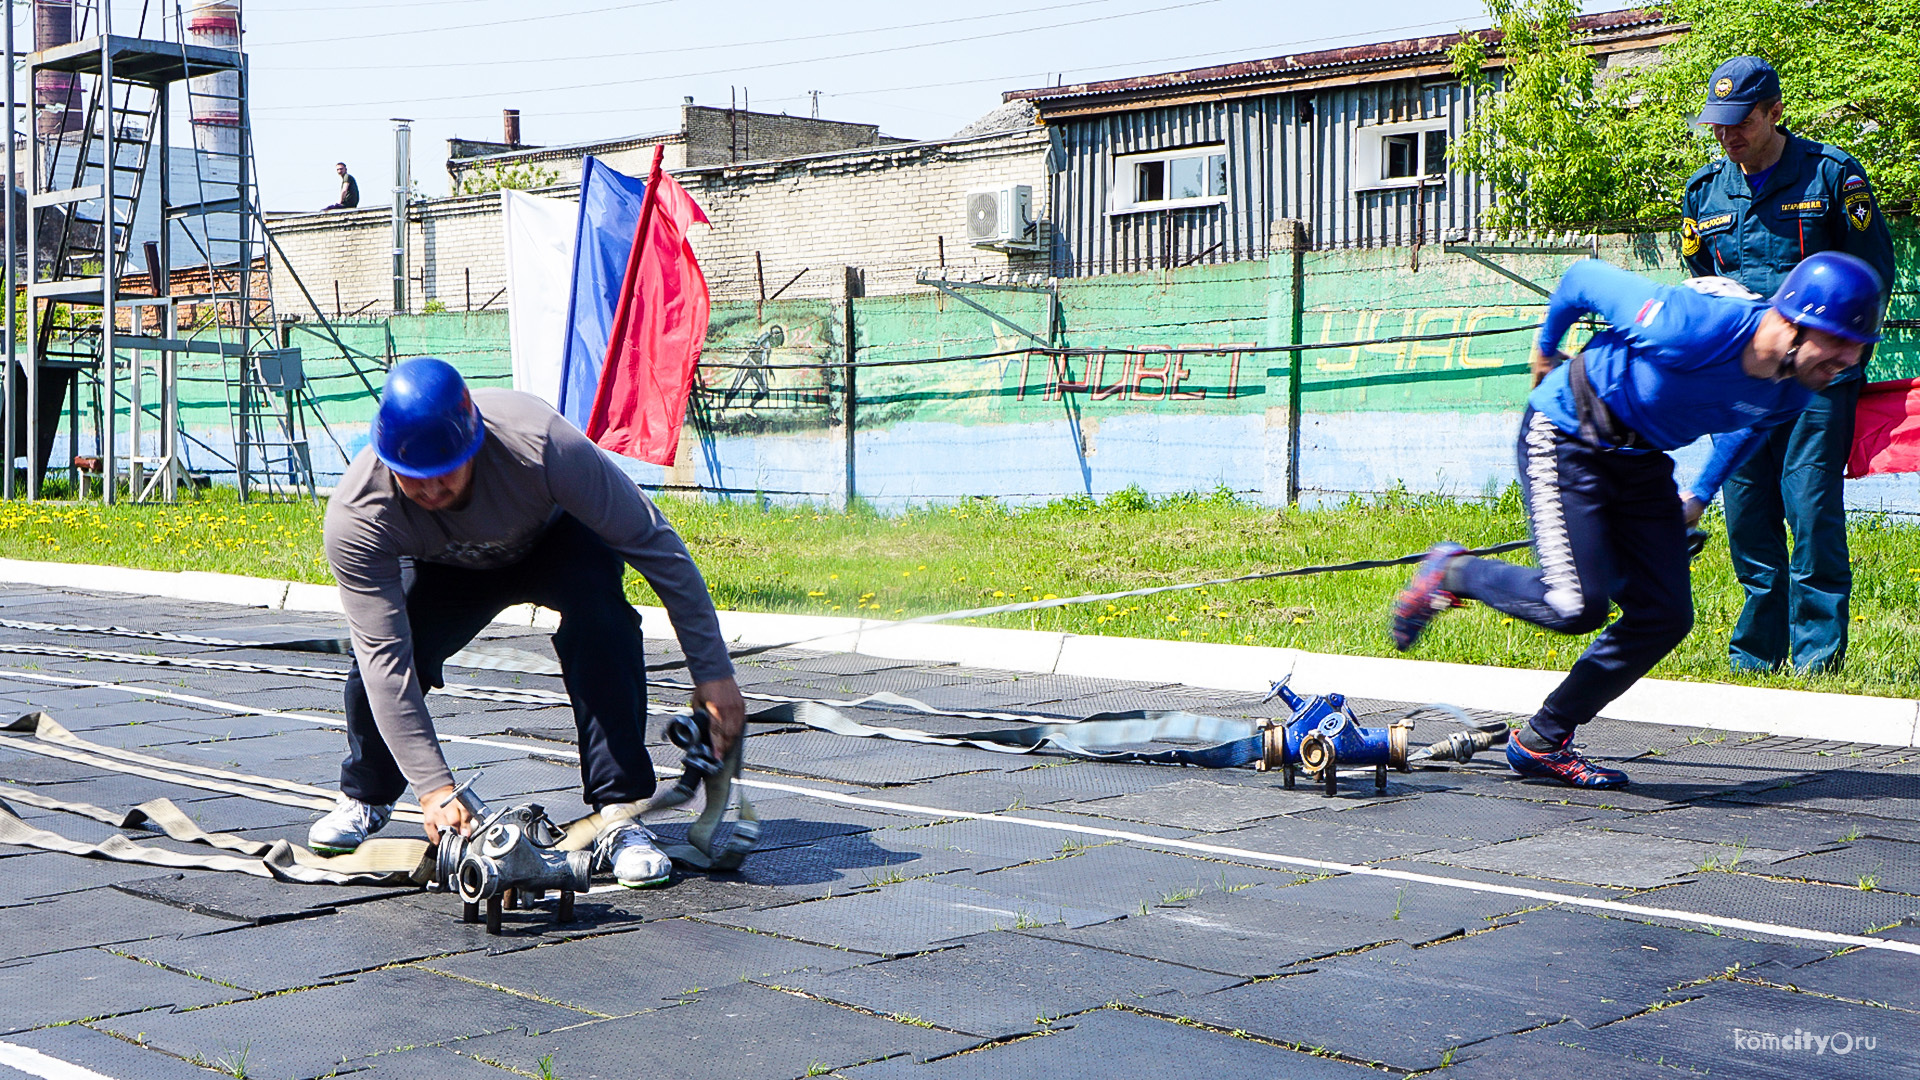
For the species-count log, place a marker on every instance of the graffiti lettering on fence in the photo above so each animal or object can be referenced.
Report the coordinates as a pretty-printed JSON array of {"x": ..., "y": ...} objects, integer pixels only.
[
  {"x": 1197, "y": 372},
  {"x": 1463, "y": 353}
]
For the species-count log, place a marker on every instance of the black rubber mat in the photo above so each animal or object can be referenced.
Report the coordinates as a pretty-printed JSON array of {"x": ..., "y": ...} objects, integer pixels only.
[
  {"x": 1545, "y": 1052},
  {"x": 619, "y": 909},
  {"x": 1000, "y": 841},
  {"x": 647, "y": 967},
  {"x": 76, "y": 920},
  {"x": 1468, "y": 817},
  {"x": 980, "y": 792},
  {"x": 1090, "y": 1046},
  {"x": 1468, "y": 989},
  {"x": 1720, "y": 822},
  {"x": 34, "y": 770},
  {"x": 249, "y": 899},
  {"x": 303, "y": 952},
  {"x": 1592, "y": 856},
  {"x": 427, "y": 1063},
  {"x": 38, "y": 875},
  {"x": 743, "y": 1030},
  {"x": 1382, "y": 898},
  {"x": 1644, "y": 796},
  {"x": 219, "y": 728},
  {"x": 1888, "y": 865},
  {"x": 1241, "y": 935},
  {"x": 319, "y": 1031},
  {"x": 1328, "y": 838},
  {"x": 1874, "y": 976},
  {"x": 86, "y": 983},
  {"x": 1202, "y": 805},
  {"x": 1835, "y": 908},
  {"x": 906, "y": 918},
  {"x": 1726, "y": 1031},
  {"x": 1118, "y": 877},
  {"x": 999, "y": 984},
  {"x": 866, "y": 761},
  {"x": 849, "y": 863},
  {"x": 1878, "y": 794},
  {"x": 106, "y": 1055}
]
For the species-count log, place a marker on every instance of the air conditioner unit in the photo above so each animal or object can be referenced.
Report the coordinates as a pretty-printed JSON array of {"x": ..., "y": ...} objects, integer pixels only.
[{"x": 1002, "y": 217}]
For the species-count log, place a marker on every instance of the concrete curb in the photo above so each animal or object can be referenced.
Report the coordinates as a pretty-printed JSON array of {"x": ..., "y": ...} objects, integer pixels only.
[{"x": 1797, "y": 713}]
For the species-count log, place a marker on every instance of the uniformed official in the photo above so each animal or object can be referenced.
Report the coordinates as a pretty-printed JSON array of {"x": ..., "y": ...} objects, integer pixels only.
[{"x": 1752, "y": 216}]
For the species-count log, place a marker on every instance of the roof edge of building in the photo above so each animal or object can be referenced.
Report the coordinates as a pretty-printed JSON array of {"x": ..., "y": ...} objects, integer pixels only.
[{"x": 1605, "y": 28}]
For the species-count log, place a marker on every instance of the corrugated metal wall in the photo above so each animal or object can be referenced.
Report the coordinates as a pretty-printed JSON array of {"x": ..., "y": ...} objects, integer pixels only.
[
  {"x": 1090, "y": 239},
  {"x": 1288, "y": 156}
]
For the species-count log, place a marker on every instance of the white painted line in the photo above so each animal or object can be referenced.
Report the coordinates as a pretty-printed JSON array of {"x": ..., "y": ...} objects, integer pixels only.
[
  {"x": 34, "y": 1063},
  {"x": 1544, "y": 896}
]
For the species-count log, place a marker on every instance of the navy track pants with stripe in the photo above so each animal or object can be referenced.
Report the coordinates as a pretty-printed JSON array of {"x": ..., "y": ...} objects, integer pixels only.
[{"x": 1607, "y": 530}]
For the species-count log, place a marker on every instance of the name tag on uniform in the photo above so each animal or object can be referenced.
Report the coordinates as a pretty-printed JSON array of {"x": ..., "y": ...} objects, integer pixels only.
[
  {"x": 1805, "y": 208},
  {"x": 1707, "y": 226}
]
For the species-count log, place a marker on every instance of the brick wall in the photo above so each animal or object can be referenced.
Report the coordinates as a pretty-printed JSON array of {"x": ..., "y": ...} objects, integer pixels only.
[
  {"x": 720, "y": 136},
  {"x": 887, "y": 211}
]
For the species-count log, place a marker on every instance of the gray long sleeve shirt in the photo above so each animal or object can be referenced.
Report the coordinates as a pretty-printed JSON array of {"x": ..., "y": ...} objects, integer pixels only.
[{"x": 533, "y": 467}]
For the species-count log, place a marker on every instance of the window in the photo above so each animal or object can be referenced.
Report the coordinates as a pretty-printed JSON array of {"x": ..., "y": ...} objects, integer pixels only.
[
  {"x": 1192, "y": 176},
  {"x": 1398, "y": 155}
]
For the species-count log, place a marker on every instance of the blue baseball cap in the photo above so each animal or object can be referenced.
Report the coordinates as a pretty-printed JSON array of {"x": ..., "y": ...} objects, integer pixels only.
[{"x": 1736, "y": 87}]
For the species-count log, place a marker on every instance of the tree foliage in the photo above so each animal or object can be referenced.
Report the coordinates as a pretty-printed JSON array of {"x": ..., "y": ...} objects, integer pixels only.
[
  {"x": 1566, "y": 142},
  {"x": 504, "y": 177}
]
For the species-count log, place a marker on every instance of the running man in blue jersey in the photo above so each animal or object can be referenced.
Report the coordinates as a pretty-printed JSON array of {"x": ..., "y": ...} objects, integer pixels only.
[{"x": 1677, "y": 362}]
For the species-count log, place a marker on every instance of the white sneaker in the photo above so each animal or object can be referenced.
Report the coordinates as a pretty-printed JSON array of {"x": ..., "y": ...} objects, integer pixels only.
[
  {"x": 628, "y": 849},
  {"x": 347, "y": 825}
]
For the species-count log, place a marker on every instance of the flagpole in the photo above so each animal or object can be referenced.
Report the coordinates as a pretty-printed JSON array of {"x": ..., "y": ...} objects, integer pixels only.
[{"x": 624, "y": 311}]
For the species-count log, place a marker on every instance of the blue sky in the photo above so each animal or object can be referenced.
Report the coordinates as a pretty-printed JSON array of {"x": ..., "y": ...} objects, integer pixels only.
[{"x": 329, "y": 75}]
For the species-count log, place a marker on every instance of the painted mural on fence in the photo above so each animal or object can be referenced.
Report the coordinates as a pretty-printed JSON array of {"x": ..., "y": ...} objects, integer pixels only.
[
  {"x": 1174, "y": 380},
  {"x": 770, "y": 369}
]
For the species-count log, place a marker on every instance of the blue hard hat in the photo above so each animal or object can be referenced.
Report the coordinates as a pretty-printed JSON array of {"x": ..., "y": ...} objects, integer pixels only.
[
  {"x": 1735, "y": 87},
  {"x": 1835, "y": 292},
  {"x": 427, "y": 424}
]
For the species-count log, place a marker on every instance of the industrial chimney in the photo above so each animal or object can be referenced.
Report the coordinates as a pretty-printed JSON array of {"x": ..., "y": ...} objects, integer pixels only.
[
  {"x": 510, "y": 127},
  {"x": 56, "y": 94},
  {"x": 216, "y": 103}
]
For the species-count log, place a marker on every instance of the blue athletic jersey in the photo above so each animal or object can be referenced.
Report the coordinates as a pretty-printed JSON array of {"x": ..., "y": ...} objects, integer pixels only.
[{"x": 1668, "y": 365}]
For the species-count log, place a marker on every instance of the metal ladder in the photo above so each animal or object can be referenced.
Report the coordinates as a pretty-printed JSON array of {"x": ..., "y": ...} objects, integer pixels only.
[{"x": 268, "y": 397}]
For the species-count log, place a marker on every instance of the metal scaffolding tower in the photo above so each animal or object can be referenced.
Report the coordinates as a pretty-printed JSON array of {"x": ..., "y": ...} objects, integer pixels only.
[{"x": 130, "y": 332}]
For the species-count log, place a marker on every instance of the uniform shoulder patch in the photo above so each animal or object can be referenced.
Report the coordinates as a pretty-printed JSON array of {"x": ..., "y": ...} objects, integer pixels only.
[
  {"x": 1860, "y": 209},
  {"x": 1853, "y": 183},
  {"x": 1689, "y": 236}
]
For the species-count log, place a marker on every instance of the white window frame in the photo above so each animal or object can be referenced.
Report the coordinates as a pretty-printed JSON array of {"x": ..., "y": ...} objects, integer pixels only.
[
  {"x": 1369, "y": 153},
  {"x": 1125, "y": 179}
]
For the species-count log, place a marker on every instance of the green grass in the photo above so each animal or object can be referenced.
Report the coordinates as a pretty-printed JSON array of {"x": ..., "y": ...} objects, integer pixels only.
[{"x": 979, "y": 553}]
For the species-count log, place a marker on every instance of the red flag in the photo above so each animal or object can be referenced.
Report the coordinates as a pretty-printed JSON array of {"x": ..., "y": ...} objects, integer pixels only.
[
  {"x": 1886, "y": 429},
  {"x": 658, "y": 329}
]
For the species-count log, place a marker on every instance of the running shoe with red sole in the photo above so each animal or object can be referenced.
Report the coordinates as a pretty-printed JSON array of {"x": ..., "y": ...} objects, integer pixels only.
[
  {"x": 1565, "y": 765},
  {"x": 1424, "y": 597}
]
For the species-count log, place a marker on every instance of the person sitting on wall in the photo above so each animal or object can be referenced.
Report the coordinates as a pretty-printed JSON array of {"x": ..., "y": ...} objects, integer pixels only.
[
  {"x": 465, "y": 504},
  {"x": 349, "y": 190},
  {"x": 1705, "y": 357}
]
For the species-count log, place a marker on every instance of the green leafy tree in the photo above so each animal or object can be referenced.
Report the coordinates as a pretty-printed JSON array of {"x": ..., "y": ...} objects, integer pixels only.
[
  {"x": 504, "y": 177},
  {"x": 1568, "y": 143}
]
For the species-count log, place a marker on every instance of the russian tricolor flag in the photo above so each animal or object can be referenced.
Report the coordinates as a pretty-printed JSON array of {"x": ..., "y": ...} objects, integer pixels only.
[{"x": 615, "y": 350}]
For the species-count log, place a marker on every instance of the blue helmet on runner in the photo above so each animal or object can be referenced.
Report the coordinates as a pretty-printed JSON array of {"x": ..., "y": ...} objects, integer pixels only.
[
  {"x": 427, "y": 424},
  {"x": 1834, "y": 292}
]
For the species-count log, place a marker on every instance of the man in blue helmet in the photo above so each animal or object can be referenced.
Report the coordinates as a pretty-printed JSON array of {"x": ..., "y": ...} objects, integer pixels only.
[
  {"x": 1704, "y": 357},
  {"x": 1773, "y": 200},
  {"x": 465, "y": 504}
]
